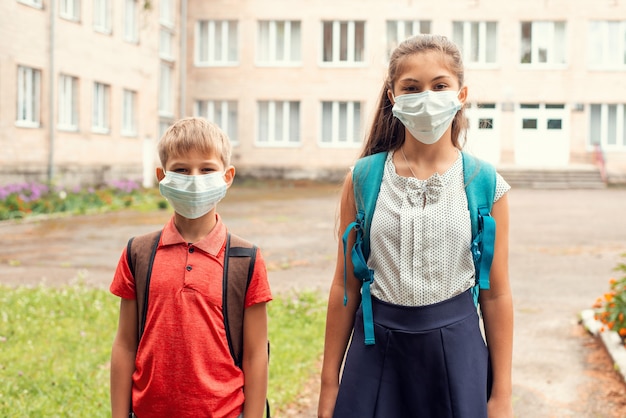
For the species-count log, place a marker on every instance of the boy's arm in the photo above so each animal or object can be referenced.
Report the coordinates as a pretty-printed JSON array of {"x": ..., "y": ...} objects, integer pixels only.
[
  {"x": 255, "y": 360},
  {"x": 123, "y": 359}
]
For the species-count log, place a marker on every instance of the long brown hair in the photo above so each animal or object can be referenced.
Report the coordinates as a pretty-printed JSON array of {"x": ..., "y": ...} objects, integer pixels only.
[{"x": 387, "y": 132}]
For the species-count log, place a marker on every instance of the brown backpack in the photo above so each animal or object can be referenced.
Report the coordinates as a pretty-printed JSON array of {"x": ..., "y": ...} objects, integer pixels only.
[{"x": 239, "y": 260}]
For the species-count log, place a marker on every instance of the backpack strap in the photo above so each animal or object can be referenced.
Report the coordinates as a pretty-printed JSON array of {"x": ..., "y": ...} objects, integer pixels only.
[
  {"x": 140, "y": 253},
  {"x": 366, "y": 178},
  {"x": 480, "y": 189},
  {"x": 239, "y": 261}
]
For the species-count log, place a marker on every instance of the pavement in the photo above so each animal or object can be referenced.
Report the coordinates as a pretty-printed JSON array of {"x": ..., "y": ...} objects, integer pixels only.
[{"x": 564, "y": 245}]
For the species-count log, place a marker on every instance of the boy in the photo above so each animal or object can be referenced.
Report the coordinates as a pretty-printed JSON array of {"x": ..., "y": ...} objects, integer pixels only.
[{"x": 183, "y": 366}]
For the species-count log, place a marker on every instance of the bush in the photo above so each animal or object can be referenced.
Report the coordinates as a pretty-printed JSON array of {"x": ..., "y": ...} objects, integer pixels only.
[
  {"x": 611, "y": 307},
  {"x": 27, "y": 199}
]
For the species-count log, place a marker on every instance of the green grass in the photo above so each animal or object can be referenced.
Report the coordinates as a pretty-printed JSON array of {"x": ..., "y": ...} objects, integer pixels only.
[{"x": 55, "y": 345}]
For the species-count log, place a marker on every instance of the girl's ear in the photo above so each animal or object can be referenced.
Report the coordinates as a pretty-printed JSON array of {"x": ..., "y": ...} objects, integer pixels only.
[
  {"x": 229, "y": 175},
  {"x": 463, "y": 95},
  {"x": 390, "y": 96},
  {"x": 160, "y": 173}
]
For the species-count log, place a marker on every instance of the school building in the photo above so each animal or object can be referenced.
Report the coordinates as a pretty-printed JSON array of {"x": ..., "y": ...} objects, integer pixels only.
[{"x": 88, "y": 86}]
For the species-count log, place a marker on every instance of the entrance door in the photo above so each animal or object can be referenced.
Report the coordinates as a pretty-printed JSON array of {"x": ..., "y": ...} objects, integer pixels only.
[
  {"x": 542, "y": 135},
  {"x": 483, "y": 134}
]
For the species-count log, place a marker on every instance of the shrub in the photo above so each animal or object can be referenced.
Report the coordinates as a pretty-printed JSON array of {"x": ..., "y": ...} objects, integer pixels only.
[{"x": 611, "y": 307}]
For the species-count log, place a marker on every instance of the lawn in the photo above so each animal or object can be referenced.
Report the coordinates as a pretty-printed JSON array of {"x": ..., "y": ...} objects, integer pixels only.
[{"x": 55, "y": 345}]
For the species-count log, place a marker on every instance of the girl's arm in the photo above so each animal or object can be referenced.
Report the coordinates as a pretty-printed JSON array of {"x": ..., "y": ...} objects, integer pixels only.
[
  {"x": 497, "y": 308},
  {"x": 339, "y": 318},
  {"x": 123, "y": 355},
  {"x": 255, "y": 360}
]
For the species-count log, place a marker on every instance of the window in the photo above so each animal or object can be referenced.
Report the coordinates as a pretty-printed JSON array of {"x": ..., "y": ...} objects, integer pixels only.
[
  {"x": 607, "y": 45},
  {"x": 68, "y": 105},
  {"x": 477, "y": 40},
  {"x": 28, "y": 97},
  {"x": 279, "y": 123},
  {"x": 131, "y": 30},
  {"x": 607, "y": 125},
  {"x": 100, "y": 112},
  {"x": 279, "y": 42},
  {"x": 166, "y": 13},
  {"x": 69, "y": 9},
  {"x": 165, "y": 45},
  {"x": 399, "y": 30},
  {"x": 102, "y": 16},
  {"x": 343, "y": 42},
  {"x": 217, "y": 43},
  {"x": 222, "y": 112},
  {"x": 129, "y": 113},
  {"x": 543, "y": 43},
  {"x": 34, "y": 3},
  {"x": 166, "y": 100},
  {"x": 341, "y": 123}
]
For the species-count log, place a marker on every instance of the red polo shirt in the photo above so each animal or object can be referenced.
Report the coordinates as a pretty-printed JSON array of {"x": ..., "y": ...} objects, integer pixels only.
[{"x": 183, "y": 366}]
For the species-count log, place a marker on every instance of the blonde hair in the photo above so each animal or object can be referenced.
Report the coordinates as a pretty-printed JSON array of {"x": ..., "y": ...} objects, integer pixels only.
[
  {"x": 387, "y": 132},
  {"x": 194, "y": 134}
]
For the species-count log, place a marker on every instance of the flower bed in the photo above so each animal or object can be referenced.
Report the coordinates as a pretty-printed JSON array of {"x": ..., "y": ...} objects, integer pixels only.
[
  {"x": 610, "y": 309},
  {"x": 26, "y": 199}
]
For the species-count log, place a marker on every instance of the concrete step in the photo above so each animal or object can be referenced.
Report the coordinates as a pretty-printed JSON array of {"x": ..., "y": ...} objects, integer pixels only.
[{"x": 574, "y": 177}]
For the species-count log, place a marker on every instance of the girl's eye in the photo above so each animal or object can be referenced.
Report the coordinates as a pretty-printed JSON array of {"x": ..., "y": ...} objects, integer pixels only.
[{"x": 440, "y": 87}]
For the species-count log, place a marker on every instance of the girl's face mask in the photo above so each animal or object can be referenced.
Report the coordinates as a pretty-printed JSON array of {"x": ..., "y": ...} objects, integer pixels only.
[
  {"x": 427, "y": 115},
  {"x": 193, "y": 196}
]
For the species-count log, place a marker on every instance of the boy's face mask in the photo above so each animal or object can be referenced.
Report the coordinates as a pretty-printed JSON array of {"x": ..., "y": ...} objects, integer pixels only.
[
  {"x": 428, "y": 114},
  {"x": 193, "y": 196}
]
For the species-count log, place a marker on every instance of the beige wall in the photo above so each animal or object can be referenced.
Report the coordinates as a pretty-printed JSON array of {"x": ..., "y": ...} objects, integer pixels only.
[{"x": 91, "y": 56}]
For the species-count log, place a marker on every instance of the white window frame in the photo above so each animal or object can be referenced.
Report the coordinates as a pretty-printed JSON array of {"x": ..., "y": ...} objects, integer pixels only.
[
  {"x": 70, "y": 9},
  {"x": 102, "y": 16},
  {"x": 131, "y": 21},
  {"x": 129, "y": 113},
  {"x": 214, "y": 46},
  {"x": 398, "y": 30},
  {"x": 166, "y": 43},
  {"x": 477, "y": 42},
  {"x": 224, "y": 113},
  {"x": 331, "y": 51},
  {"x": 38, "y": 4},
  {"x": 100, "y": 120},
  {"x": 28, "y": 97},
  {"x": 166, "y": 13},
  {"x": 68, "y": 103},
  {"x": 607, "y": 45},
  {"x": 166, "y": 90},
  {"x": 612, "y": 122},
  {"x": 279, "y": 42},
  {"x": 275, "y": 123},
  {"x": 343, "y": 131},
  {"x": 544, "y": 35}
]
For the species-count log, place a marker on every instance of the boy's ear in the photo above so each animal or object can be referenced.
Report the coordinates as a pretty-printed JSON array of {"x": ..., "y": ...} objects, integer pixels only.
[
  {"x": 160, "y": 174},
  {"x": 229, "y": 175}
]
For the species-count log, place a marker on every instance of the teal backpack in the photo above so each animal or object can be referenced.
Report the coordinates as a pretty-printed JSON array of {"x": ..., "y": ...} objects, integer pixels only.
[{"x": 480, "y": 188}]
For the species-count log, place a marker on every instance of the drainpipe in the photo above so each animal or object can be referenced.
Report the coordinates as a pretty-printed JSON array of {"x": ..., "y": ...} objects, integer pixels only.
[
  {"x": 183, "y": 59},
  {"x": 51, "y": 95}
]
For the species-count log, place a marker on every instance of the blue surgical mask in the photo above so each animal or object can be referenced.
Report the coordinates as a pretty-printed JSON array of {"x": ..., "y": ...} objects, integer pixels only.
[
  {"x": 427, "y": 115},
  {"x": 193, "y": 196}
]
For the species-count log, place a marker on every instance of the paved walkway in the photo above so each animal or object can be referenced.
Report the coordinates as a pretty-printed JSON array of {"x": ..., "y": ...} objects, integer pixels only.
[{"x": 564, "y": 246}]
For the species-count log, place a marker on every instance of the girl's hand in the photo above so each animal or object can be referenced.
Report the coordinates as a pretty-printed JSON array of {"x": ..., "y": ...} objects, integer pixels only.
[
  {"x": 500, "y": 407},
  {"x": 328, "y": 397}
]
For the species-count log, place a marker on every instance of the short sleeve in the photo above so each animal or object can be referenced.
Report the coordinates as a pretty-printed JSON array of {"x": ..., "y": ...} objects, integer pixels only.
[
  {"x": 501, "y": 187},
  {"x": 123, "y": 284},
  {"x": 259, "y": 289}
]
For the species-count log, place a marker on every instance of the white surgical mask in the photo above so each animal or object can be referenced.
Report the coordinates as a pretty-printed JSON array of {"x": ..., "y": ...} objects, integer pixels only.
[
  {"x": 428, "y": 114},
  {"x": 193, "y": 196}
]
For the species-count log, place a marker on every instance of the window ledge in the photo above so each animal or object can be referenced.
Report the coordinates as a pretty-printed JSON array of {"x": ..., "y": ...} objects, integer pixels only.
[{"x": 27, "y": 124}]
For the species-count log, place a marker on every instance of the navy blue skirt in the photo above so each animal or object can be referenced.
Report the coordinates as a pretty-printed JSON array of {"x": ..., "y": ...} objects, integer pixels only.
[{"x": 428, "y": 362}]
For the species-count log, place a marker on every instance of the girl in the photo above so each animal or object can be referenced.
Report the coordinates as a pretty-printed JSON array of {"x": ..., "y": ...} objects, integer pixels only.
[{"x": 429, "y": 359}]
